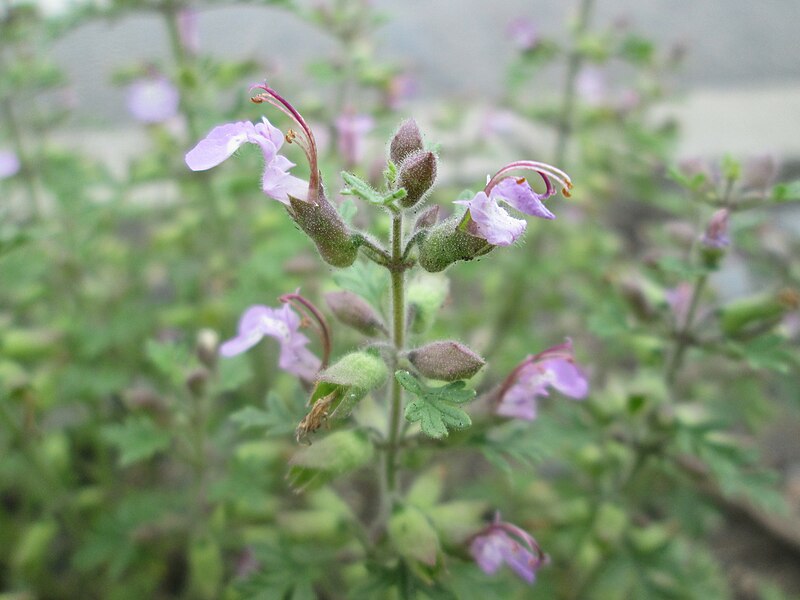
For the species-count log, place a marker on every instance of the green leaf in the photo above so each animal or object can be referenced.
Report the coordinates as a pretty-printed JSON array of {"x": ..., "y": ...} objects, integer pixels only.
[
  {"x": 365, "y": 279},
  {"x": 359, "y": 187},
  {"x": 137, "y": 439},
  {"x": 436, "y": 407},
  {"x": 786, "y": 192},
  {"x": 276, "y": 418}
]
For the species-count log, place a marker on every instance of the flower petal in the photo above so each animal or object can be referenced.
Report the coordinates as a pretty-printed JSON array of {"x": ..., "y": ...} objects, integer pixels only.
[
  {"x": 491, "y": 222},
  {"x": 519, "y": 194},
  {"x": 218, "y": 145}
]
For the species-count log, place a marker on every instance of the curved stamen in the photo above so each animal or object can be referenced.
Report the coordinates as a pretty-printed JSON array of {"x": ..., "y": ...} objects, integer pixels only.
[
  {"x": 282, "y": 104},
  {"x": 543, "y": 169},
  {"x": 306, "y": 306}
]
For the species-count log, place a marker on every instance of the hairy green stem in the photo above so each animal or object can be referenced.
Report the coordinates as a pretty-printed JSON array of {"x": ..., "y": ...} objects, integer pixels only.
[
  {"x": 574, "y": 62},
  {"x": 398, "y": 335}
]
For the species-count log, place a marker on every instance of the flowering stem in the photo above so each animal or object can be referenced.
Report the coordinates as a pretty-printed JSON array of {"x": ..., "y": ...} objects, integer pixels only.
[
  {"x": 398, "y": 322},
  {"x": 574, "y": 63},
  {"x": 682, "y": 341}
]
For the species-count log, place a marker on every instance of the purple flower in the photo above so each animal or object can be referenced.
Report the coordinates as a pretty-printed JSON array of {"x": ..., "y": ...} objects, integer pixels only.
[
  {"x": 679, "y": 299},
  {"x": 9, "y": 164},
  {"x": 283, "y": 324},
  {"x": 592, "y": 86},
  {"x": 400, "y": 88},
  {"x": 486, "y": 219},
  {"x": 491, "y": 222},
  {"x": 505, "y": 543},
  {"x": 224, "y": 140},
  {"x": 153, "y": 100},
  {"x": 351, "y": 130},
  {"x": 532, "y": 378},
  {"x": 716, "y": 234},
  {"x": 523, "y": 33}
]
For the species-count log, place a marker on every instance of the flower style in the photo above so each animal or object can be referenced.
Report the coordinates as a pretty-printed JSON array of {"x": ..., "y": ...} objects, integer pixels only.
[
  {"x": 351, "y": 130},
  {"x": 224, "y": 140},
  {"x": 505, "y": 543},
  {"x": 153, "y": 99},
  {"x": 716, "y": 234},
  {"x": 283, "y": 324},
  {"x": 554, "y": 367},
  {"x": 9, "y": 164},
  {"x": 486, "y": 219}
]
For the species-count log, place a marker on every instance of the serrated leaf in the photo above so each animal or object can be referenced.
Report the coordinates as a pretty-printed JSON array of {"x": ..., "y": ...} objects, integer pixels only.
[
  {"x": 435, "y": 407},
  {"x": 276, "y": 418},
  {"x": 137, "y": 439},
  {"x": 365, "y": 279}
]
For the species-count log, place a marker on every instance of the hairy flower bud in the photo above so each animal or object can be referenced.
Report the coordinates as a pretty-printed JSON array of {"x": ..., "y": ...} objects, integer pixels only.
[
  {"x": 427, "y": 218},
  {"x": 446, "y": 361},
  {"x": 413, "y": 535},
  {"x": 417, "y": 175},
  {"x": 196, "y": 381},
  {"x": 408, "y": 139},
  {"x": 446, "y": 243},
  {"x": 351, "y": 309},
  {"x": 322, "y": 223}
]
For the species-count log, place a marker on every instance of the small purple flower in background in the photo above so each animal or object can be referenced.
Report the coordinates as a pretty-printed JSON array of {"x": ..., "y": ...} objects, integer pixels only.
[
  {"x": 678, "y": 299},
  {"x": 592, "y": 86},
  {"x": 9, "y": 164},
  {"x": 351, "y": 130},
  {"x": 716, "y": 234},
  {"x": 555, "y": 367},
  {"x": 224, "y": 140},
  {"x": 498, "y": 122},
  {"x": 188, "y": 31},
  {"x": 486, "y": 219},
  {"x": 153, "y": 99},
  {"x": 283, "y": 324},
  {"x": 400, "y": 88},
  {"x": 523, "y": 34},
  {"x": 503, "y": 542}
]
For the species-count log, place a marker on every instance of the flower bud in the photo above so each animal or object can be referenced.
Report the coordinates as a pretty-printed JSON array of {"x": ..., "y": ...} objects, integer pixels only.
[
  {"x": 351, "y": 309},
  {"x": 417, "y": 175},
  {"x": 207, "y": 347},
  {"x": 610, "y": 523},
  {"x": 427, "y": 218},
  {"x": 446, "y": 361},
  {"x": 339, "y": 388},
  {"x": 322, "y": 223},
  {"x": 446, "y": 244},
  {"x": 408, "y": 139},
  {"x": 757, "y": 311},
  {"x": 413, "y": 536}
]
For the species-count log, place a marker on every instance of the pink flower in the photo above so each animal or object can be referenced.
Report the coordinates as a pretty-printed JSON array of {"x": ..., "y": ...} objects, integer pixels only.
[
  {"x": 153, "y": 99},
  {"x": 283, "y": 324},
  {"x": 486, "y": 219},
  {"x": 716, "y": 235},
  {"x": 224, "y": 140},
  {"x": 532, "y": 378},
  {"x": 523, "y": 33},
  {"x": 505, "y": 543},
  {"x": 351, "y": 130},
  {"x": 9, "y": 164}
]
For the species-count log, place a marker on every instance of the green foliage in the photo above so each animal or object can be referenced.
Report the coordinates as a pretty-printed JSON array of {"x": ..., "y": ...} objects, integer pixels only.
[{"x": 436, "y": 408}]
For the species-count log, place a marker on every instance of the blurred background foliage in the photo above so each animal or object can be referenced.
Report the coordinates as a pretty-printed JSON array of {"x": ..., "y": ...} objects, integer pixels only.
[{"x": 135, "y": 464}]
